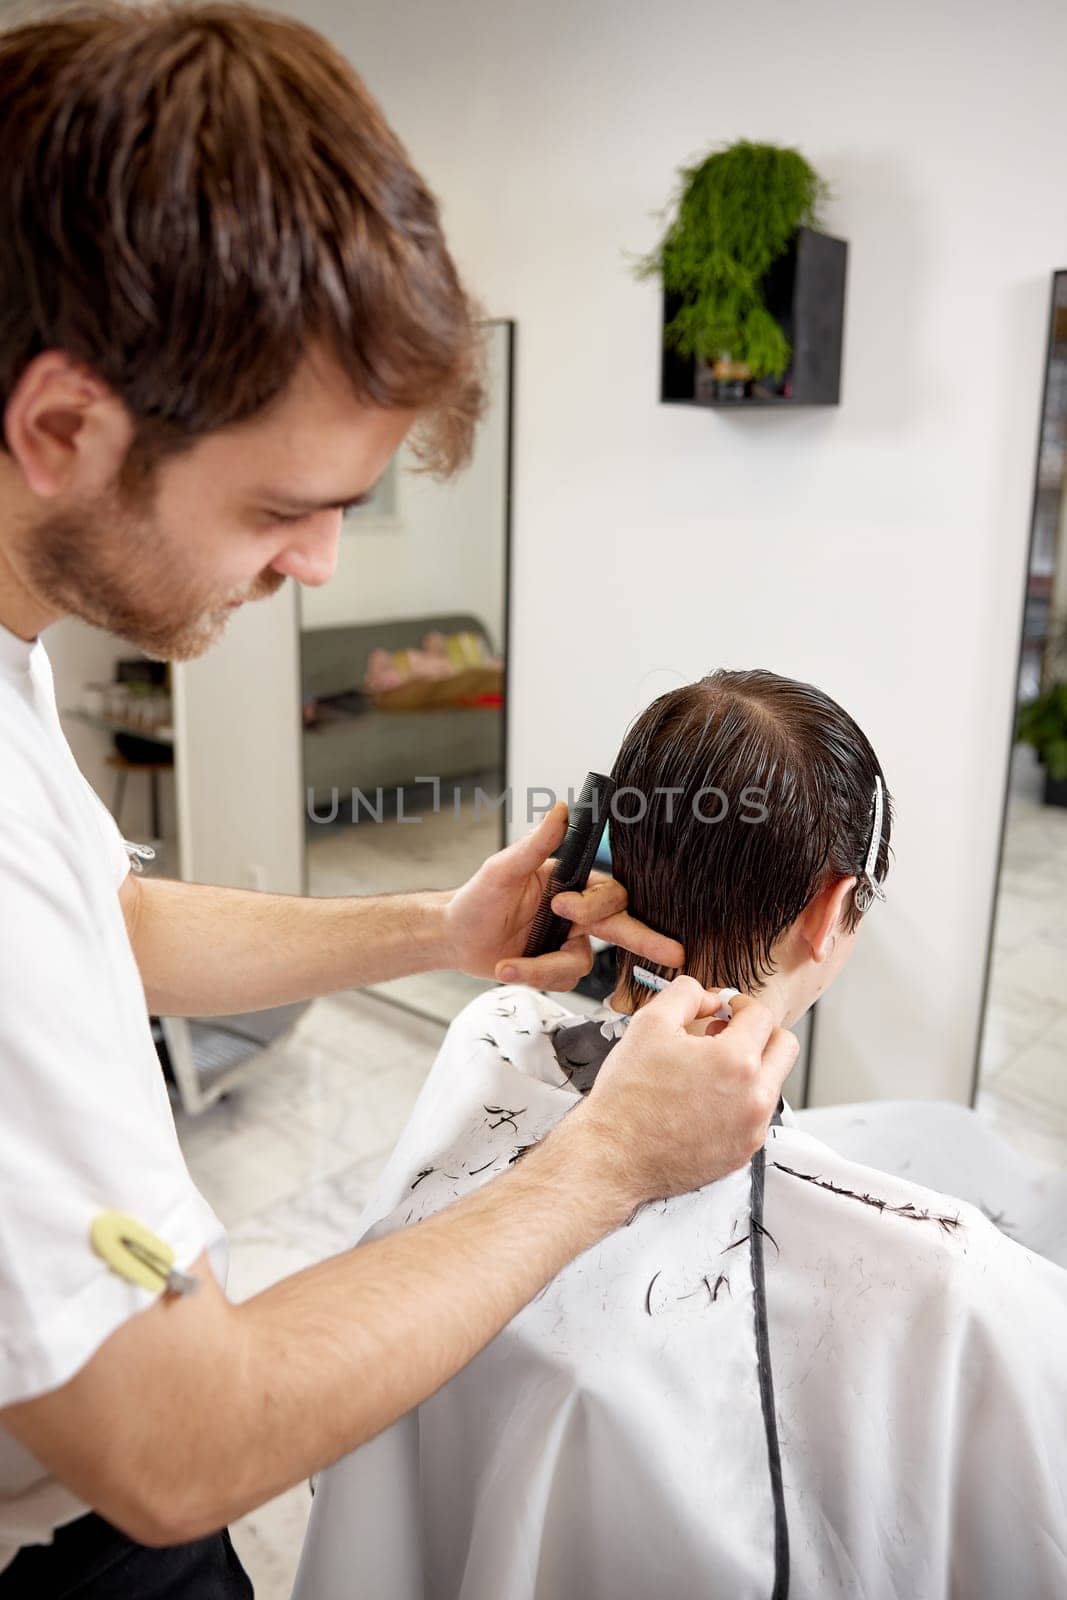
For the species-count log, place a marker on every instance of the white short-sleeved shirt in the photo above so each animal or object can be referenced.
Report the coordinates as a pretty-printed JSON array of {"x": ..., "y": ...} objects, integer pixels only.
[{"x": 86, "y": 1123}]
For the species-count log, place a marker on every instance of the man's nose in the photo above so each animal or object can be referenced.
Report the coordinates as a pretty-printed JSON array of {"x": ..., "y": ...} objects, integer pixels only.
[{"x": 311, "y": 557}]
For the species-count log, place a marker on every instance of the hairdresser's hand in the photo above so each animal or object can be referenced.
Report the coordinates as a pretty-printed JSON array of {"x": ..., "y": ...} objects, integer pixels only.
[
  {"x": 488, "y": 920},
  {"x": 671, "y": 1111}
]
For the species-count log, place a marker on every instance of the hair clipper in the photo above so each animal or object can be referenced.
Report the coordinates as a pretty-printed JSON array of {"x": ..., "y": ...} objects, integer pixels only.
[{"x": 574, "y": 861}]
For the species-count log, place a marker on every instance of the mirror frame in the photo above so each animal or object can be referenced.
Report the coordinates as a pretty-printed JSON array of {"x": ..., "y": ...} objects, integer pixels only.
[{"x": 1060, "y": 274}]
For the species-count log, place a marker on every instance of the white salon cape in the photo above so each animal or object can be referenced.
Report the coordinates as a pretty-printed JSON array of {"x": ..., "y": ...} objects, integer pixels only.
[{"x": 861, "y": 1392}]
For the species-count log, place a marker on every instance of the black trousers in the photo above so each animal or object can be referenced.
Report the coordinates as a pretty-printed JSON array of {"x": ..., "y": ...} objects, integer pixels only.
[{"x": 91, "y": 1560}]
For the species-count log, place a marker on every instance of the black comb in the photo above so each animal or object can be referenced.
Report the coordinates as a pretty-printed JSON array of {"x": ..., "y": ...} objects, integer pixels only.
[{"x": 574, "y": 861}]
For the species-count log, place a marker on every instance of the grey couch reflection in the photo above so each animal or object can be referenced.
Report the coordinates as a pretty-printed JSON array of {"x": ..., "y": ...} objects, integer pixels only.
[{"x": 352, "y": 743}]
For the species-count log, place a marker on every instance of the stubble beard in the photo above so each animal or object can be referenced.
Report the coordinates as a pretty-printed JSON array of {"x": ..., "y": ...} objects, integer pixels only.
[{"x": 104, "y": 564}]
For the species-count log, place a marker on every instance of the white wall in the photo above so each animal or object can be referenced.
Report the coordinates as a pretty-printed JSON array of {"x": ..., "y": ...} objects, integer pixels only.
[
  {"x": 235, "y": 800},
  {"x": 443, "y": 550},
  {"x": 876, "y": 549},
  {"x": 238, "y": 753}
]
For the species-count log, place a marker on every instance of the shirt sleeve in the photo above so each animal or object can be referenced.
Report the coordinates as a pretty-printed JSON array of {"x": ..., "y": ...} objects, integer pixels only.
[{"x": 87, "y": 1124}]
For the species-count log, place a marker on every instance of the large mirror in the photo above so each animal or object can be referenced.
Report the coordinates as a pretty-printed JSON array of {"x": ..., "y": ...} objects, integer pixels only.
[
  {"x": 1022, "y": 1084},
  {"x": 403, "y": 669}
]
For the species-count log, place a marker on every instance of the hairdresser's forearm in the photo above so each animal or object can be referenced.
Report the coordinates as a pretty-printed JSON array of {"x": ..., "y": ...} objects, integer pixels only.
[
  {"x": 197, "y": 1411},
  {"x": 204, "y": 951},
  {"x": 398, "y": 1318}
]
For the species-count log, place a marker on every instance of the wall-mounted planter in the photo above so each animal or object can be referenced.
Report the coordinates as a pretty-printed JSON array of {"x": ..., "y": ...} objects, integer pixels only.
[{"x": 805, "y": 292}]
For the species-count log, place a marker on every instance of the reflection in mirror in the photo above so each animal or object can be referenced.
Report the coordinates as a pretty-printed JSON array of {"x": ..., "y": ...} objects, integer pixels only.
[
  {"x": 1022, "y": 1068},
  {"x": 402, "y": 675}
]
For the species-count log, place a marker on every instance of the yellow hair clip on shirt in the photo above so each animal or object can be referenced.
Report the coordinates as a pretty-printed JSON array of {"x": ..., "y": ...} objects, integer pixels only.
[{"x": 137, "y": 1254}]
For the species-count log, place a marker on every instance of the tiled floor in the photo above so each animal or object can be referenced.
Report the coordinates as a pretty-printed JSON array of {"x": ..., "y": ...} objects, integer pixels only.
[{"x": 288, "y": 1161}]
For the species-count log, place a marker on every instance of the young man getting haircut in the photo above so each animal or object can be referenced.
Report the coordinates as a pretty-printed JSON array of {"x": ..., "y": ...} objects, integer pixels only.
[{"x": 809, "y": 1379}]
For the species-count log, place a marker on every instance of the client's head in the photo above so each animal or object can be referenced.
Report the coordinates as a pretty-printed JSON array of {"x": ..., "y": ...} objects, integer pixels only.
[{"x": 752, "y": 802}]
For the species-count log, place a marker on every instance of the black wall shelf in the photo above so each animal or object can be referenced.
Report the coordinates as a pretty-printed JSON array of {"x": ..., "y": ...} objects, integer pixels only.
[{"x": 805, "y": 293}]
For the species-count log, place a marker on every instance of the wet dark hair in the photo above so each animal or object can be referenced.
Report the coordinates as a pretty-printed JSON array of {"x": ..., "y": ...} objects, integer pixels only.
[
  {"x": 773, "y": 799},
  {"x": 194, "y": 195}
]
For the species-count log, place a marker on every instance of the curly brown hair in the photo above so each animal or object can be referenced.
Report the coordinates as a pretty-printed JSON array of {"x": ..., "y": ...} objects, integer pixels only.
[{"x": 194, "y": 195}]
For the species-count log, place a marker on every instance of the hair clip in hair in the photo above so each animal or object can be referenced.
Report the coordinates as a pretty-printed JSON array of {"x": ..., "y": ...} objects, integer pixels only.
[
  {"x": 868, "y": 889},
  {"x": 865, "y": 894}
]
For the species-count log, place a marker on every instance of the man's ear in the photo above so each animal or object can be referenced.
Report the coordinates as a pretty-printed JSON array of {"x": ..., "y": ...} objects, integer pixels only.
[
  {"x": 822, "y": 915},
  {"x": 66, "y": 430}
]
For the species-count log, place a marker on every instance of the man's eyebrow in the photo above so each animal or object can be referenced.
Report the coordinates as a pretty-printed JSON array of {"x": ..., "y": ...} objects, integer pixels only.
[{"x": 296, "y": 502}]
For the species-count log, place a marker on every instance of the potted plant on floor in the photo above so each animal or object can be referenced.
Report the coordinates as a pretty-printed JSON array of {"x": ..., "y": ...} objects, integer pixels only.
[
  {"x": 738, "y": 211},
  {"x": 1042, "y": 722}
]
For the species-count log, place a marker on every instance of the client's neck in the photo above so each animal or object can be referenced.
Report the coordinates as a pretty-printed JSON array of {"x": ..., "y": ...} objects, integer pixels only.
[{"x": 777, "y": 994}]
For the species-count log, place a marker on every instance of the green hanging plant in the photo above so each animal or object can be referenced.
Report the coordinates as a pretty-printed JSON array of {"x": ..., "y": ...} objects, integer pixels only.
[
  {"x": 736, "y": 213},
  {"x": 1042, "y": 722}
]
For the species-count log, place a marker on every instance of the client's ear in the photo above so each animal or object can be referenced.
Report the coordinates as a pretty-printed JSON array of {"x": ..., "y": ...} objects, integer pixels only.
[{"x": 819, "y": 920}]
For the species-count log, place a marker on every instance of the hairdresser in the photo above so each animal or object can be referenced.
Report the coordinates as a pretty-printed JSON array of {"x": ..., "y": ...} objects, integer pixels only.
[{"x": 224, "y": 301}]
